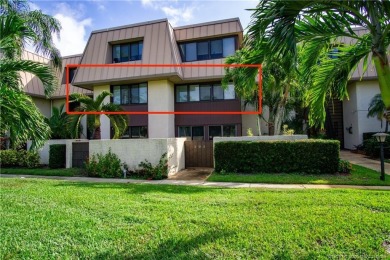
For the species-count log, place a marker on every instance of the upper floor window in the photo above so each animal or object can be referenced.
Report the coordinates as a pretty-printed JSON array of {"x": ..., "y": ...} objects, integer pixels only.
[
  {"x": 208, "y": 49},
  {"x": 204, "y": 92},
  {"x": 127, "y": 52},
  {"x": 130, "y": 94},
  {"x": 72, "y": 72}
]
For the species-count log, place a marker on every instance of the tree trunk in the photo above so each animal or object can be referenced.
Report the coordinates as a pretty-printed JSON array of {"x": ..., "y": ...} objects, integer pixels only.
[
  {"x": 259, "y": 124},
  {"x": 97, "y": 133},
  {"x": 383, "y": 70},
  {"x": 278, "y": 119}
]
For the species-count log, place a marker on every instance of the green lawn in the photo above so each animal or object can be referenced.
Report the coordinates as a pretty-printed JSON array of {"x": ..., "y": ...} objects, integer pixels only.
[
  {"x": 359, "y": 176},
  {"x": 49, "y": 219},
  {"x": 42, "y": 171}
]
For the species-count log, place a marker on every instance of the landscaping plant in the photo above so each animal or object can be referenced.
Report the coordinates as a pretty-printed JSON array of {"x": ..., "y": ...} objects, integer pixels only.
[
  {"x": 57, "y": 156},
  {"x": 158, "y": 172},
  {"x": 19, "y": 158},
  {"x": 104, "y": 165}
]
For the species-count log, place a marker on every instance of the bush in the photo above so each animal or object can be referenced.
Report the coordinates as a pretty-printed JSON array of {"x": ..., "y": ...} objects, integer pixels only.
[
  {"x": 158, "y": 172},
  {"x": 104, "y": 165},
  {"x": 19, "y": 158},
  {"x": 372, "y": 147},
  {"x": 344, "y": 166},
  {"x": 306, "y": 156},
  {"x": 57, "y": 156}
]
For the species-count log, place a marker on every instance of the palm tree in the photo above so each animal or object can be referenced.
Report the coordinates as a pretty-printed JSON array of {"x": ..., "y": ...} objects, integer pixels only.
[
  {"x": 377, "y": 109},
  {"x": 59, "y": 123},
  {"x": 318, "y": 26},
  {"x": 20, "y": 118},
  {"x": 279, "y": 82},
  {"x": 87, "y": 104}
]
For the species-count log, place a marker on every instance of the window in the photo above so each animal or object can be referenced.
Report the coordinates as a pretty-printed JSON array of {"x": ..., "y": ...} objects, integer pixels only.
[
  {"x": 194, "y": 92},
  {"x": 195, "y": 132},
  {"x": 214, "y": 131},
  {"x": 222, "y": 130},
  {"x": 217, "y": 92},
  {"x": 229, "y": 93},
  {"x": 204, "y": 92},
  {"x": 72, "y": 72},
  {"x": 134, "y": 94},
  {"x": 127, "y": 52},
  {"x": 136, "y": 132},
  {"x": 210, "y": 49}
]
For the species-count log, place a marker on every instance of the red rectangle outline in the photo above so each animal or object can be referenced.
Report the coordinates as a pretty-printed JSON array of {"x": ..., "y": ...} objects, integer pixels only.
[{"x": 68, "y": 66}]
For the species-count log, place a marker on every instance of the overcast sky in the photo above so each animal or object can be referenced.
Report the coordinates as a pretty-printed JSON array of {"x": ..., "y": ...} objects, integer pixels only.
[{"x": 79, "y": 18}]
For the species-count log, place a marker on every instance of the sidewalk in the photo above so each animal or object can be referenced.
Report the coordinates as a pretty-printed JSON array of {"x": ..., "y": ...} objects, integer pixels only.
[
  {"x": 361, "y": 160},
  {"x": 199, "y": 183}
]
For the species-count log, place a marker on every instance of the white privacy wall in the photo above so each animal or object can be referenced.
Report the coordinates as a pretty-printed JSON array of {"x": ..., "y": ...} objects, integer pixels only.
[
  {"x": 261, "y": 138},
  {"x": 44, "y": 150},
  {"x": 134, "y": 151}
]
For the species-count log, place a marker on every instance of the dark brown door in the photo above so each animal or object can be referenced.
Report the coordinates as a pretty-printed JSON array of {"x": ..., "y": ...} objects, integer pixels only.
[
  {"x": 199, "y": 153},
  {"x": 80, "y": 153}
]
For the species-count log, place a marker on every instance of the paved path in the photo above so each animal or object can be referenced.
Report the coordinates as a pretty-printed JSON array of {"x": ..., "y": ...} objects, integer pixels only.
[
  {"x": 200, "y": 183},
  {"x": 362, "y": 160}
]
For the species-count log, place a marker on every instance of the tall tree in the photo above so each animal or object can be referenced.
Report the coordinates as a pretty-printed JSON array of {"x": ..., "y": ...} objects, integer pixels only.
[
  {"x": 279, "y": 82},
  {"x": 318, "y": 26},
  {"x": 87, "y": 104},
  {"x": 19, "y": 26}
]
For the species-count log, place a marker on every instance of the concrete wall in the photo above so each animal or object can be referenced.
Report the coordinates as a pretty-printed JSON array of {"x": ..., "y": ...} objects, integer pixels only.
[
  {"x": 161, "y": 94},
  {"x": 250, "y": 121},
  {"x": 105, "y": 122},
  {"x": 355, "y": 113},
  {"x": 134, "y": 151},
  {"x": 43, "y": 105}
]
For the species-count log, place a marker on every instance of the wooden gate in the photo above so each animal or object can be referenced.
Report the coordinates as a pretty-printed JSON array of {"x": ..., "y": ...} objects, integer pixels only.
[
  {"x": 80, "y": 153},
  {"x": 199, "y": 153}
]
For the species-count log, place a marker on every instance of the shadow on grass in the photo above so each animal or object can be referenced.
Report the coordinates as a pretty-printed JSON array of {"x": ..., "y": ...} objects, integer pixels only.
[
  {"x": 173, "y": 248},
  {"x": 139, "y": 188}
]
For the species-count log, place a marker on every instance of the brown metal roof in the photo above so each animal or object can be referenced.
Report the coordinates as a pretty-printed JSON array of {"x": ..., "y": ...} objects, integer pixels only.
[
  {"x": 159, "y": 47},
  {"x": 33, "y": 85}
]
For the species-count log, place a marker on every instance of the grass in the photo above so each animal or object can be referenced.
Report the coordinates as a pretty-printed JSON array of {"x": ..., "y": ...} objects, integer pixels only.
[
  {"x": 359, "y": 176},
  {"x": 42, "y": 171},
  {"x": 51, "y": 219}
]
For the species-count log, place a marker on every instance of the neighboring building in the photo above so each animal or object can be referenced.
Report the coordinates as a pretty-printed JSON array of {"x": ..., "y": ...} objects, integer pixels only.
[
  {"x": 166, "y": 88},
  {"x": 34, "y": 87},
  {"x": 349, "y": 117}
]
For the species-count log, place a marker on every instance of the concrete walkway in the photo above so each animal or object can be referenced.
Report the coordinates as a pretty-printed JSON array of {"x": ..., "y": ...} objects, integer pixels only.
[
  {"x": 362, "y": 160},
  {"x": 199, "y": 183}
]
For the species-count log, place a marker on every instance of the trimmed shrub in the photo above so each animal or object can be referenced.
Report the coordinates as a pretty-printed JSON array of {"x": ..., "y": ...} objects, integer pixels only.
[
  {"x": 306, "y": 156},
  {"x": 57, "y": 156},
  {"x": 372, "y": 147},
  {"x": 104, "y": 165},
  {"x": 19, "y": 158}
]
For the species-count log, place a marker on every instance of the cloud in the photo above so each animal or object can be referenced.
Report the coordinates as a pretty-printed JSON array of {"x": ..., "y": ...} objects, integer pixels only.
[
  {"x": 72, "y": 35},
  {"x": 176, "y": 15},
  {"x": 171, "y": 8},
  {"x": 99, "y": 4}
]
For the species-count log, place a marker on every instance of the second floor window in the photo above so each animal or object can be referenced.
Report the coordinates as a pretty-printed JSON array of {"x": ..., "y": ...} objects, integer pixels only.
[
  {"x": 208, "y": 49},
  {"x": 127, "y": 52},
  {"x": 130, "y": 94},
  {"x": 204, "y": 92}
]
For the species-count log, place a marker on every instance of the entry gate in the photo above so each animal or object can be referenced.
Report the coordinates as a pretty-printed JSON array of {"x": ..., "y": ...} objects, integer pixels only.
[
  {"x": 199, "y": 153},
  {"x": 80, "y": 153}
]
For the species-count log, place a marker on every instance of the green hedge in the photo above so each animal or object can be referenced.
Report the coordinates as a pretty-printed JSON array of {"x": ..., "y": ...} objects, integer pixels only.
[
  {"x": 305, "y": 156},
  {"x": 19, "y": 158},
  {"x": 372, "y": 147},
  {"x": 57, "y": 156}
]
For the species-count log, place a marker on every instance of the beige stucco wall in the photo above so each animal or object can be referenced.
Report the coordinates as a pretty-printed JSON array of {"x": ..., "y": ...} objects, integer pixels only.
[
  {"x": 105, "y": 122},
  {"x": 161, "y": 96},
  {"x": 43, "y": 105},
  {"x": 355, "y": 113},
  {"x": 134, "y": 151},
  {"x": 250, "y": 121}
]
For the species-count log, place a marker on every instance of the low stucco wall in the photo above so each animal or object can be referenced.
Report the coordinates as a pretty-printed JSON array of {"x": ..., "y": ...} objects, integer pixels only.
[
  {"x": 45, "y": 149},
  {"x": 261, "y": 138},
  {"x": 134, "y": 151}
]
